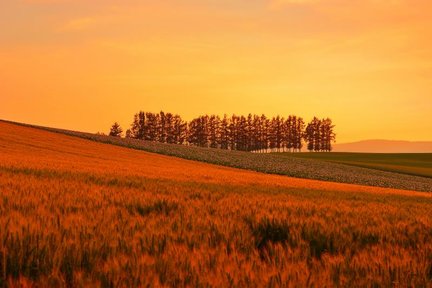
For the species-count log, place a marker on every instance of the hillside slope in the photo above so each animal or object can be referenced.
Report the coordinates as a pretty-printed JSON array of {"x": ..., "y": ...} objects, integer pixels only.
[
  {"x": 29, "y": 148},
  {"x": 269, "y": 163},
  {"x": 77, "y": 213}
]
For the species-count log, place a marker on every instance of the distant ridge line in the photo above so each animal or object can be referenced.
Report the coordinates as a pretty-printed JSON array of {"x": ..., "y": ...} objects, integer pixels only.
[{"x": 385, "y": 146}]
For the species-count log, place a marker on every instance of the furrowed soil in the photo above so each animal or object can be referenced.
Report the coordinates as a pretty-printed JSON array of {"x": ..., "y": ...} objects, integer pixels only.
[{"x": 77, "y": 213}]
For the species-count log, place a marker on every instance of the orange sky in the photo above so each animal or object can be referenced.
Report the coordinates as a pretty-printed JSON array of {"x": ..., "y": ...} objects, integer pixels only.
[{"x": 83, "y": 64}]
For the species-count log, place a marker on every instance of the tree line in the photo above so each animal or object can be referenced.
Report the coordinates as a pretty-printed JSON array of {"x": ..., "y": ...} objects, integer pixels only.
[{"x": 255, "y": 133}]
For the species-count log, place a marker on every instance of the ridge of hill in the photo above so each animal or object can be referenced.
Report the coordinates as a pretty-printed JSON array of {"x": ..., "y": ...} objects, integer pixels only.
[
  {"x": 385, "y": 146},
  {"x": 266, "y": 163}
]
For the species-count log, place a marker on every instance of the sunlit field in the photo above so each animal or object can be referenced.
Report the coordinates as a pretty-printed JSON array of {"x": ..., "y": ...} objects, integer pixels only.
[
  {"x": 288, "y": 164},
  {"x": 76, "y": 213}
]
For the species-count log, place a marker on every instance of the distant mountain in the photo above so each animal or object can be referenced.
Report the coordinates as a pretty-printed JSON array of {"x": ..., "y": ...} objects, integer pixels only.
[{"x": 385, "y": 146}]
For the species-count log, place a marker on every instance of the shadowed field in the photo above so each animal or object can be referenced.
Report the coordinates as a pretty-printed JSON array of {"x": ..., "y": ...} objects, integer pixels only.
[
  {"x": 77, "y": 213},
  {"x": 418, "y": 164}
]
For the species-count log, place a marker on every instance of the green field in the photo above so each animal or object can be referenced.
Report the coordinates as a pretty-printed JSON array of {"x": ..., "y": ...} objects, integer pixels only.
[{"x": 417, "y": 164}]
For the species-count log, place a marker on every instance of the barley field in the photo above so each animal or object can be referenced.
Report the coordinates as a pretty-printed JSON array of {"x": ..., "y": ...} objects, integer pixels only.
[{"x": 77, "y": 213}]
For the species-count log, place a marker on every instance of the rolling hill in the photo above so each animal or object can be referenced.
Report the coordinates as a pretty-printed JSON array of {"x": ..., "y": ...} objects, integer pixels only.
[
  {"x": 385, "y": 146},
  {"x": 78, "y": 213},
  {"x": 274, "y": 163}
]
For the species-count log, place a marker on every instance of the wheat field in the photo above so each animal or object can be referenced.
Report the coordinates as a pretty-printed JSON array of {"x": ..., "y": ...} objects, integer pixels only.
[
  {"x": 288, "y": 164},
  {"x": 76, "y": 213}
]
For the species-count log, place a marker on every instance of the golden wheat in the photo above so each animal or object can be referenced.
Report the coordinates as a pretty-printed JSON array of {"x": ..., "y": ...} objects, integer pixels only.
[{"x": 77, "y": 213}]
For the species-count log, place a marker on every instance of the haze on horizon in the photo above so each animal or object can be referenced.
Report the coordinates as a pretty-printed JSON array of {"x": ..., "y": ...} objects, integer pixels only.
[{"x": 82, "y": 65}]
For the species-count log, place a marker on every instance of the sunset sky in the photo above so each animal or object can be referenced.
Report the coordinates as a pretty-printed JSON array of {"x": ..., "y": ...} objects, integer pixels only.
[{"x": 83, "y": 64}]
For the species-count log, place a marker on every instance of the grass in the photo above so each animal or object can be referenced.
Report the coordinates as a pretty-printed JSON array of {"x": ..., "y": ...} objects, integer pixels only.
[
  {"x": 76, "y": 213},
  {"x": 417, "y": 164},
  {"x": 279, "y": 164}
]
